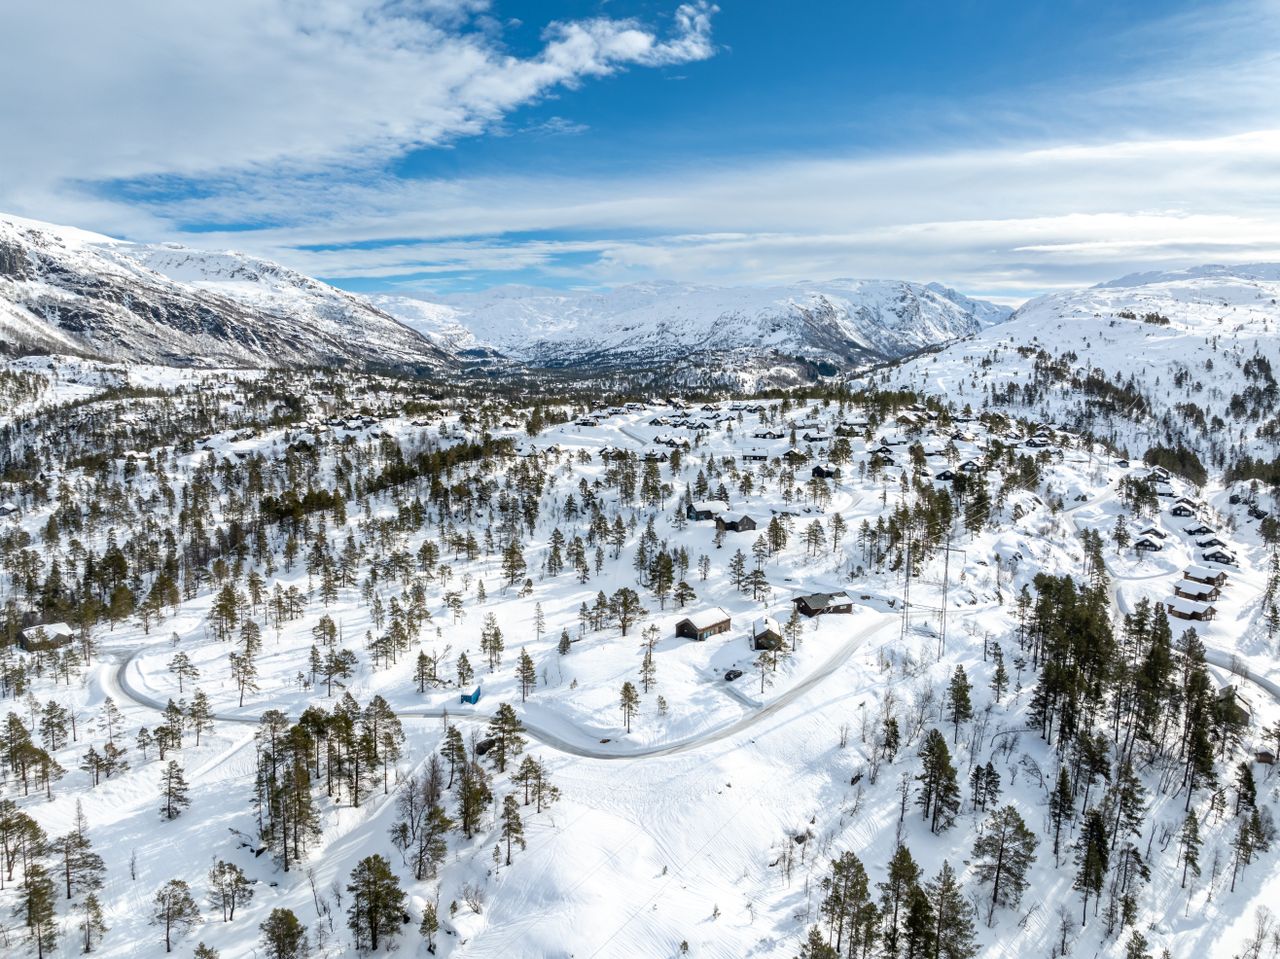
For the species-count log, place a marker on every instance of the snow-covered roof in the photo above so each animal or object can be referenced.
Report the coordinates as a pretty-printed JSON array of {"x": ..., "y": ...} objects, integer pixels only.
[
  {"x": 1201, "y": 572},
  {"x": 710, "y": 506},
  {"x": 706, "y": 618},
  {"x": 1188, "y": 607},
  {"x": 50, "y": 630},
  {"x": 765, "y": 624},
  {"x": 1194, "y": 588}
]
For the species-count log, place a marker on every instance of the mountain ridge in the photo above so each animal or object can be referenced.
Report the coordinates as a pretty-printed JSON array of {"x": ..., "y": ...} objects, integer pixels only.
[{"x": 69, "y": 290}]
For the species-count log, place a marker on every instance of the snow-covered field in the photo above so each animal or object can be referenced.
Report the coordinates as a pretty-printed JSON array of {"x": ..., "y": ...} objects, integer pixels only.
[{"x": 711, "y": 823}]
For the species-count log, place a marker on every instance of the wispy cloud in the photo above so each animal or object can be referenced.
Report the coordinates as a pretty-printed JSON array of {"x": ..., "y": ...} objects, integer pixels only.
[{"x": 277, "y": 90}]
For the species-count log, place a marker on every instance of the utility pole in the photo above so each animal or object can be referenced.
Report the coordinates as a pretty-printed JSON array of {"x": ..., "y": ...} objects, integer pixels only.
[
  {"x": 906, "y": 592},
  {"x": 946, "y": 585}
]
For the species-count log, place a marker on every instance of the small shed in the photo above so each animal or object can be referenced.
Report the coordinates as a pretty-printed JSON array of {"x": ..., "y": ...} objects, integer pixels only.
[
  {"x": 704, "y": 624},
  {"x": 765, "y": 633},
  {"x": 471, "y": 698},
  {"x": 8, "y": 509}
]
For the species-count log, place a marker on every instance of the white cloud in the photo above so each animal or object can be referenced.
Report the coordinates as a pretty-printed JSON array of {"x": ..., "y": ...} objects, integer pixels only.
[
  {"x": 1002, "y": 220},
  {"x": 135, "y": 88}
]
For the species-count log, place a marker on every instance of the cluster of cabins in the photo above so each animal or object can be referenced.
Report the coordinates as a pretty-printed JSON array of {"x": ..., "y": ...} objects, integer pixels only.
[
  {"x": 1213, "y": 549},
  {"x": 765, "y": 631},
  {"x": 1194, "y": 595}
]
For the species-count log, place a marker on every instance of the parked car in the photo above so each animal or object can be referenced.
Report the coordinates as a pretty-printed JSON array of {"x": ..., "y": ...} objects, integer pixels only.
[
  {"x": 485, "y": 745},
  {"x": 732, "y": 674}
]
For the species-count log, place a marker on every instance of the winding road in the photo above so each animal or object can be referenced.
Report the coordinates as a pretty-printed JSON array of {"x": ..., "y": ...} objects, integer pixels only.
[{"x": 120, "y": 681}]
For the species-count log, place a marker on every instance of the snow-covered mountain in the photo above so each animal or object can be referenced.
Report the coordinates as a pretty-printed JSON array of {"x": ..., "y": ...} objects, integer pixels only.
[
  {"x": 68, "y": 290},
  {"x": 828, "y": 325},
  {"x": 1188, "y": 356}
]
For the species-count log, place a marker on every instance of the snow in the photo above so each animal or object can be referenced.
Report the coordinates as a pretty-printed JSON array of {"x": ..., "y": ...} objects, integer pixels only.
[
  {"x": 668, "y": 320},
  {"x": 673, "y": 832}
]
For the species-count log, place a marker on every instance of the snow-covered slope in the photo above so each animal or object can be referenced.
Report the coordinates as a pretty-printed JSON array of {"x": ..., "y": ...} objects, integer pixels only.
[
  {"x": 63, "y": 289},
  {"x": 1186, "y": 357},
  {"x": 832, "y": 323}
]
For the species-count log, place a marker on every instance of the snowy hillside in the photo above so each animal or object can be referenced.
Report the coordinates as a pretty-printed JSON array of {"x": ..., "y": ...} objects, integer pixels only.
[
  {"x": 470, "y": 670},
  {"x": 1187, "y": 357},
  {"x": 67, "y": 290},
  {"x": 830, "y": 324}
]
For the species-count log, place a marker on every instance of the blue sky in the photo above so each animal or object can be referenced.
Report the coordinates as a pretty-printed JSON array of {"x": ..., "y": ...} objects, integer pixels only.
[{"x": 428, "y": 146}]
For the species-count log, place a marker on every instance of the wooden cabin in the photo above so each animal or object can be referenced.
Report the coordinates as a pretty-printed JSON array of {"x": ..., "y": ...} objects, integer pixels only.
[
  {"x": 735, "y": 523},
  {"x": 47, "y": 637},
  {"x": 704, "y": 624},
  {"x": 765, "y": 633},
  {"x": 709, "y": 509},
  {"x": 1203, "y": 574},
  {"x": 1190, "y": 609},
  {"x": 820, "y": 604}
]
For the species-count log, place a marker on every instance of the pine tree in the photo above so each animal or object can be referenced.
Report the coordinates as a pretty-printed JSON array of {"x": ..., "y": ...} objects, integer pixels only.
[
  {"x": 200, "y": 713},
  {"x": 491, "y": 643},
  {"x": 959, "y": 704},
  {"x": 173, "y": 791},
  {"x": 465, "y": 672},
  {"x": 36, "y": 906},
  {"x": 847, "y": 907},
  {"x": 630, "y": 703},
  {"x": 1003, "y": 855},
  {"x": 429, "y": 926},
  {"x": 82, "y": 868},
  {"x": 526, "y": 675},
  {"x": 939, "y": 795},
  {"x": 815, "y": 947},
  {"x": 953, "y": 932},
  {"x": 919, "y": 928},
  {"x": 454, "y": 751},
  {"x": 474, "y": 796},
  {"x": 174, "y": 910},
  {"x": 512, "y": 827},
  {"x": 228, "y": 888},
  {"x": 283, "y": 936},
  {"x": 1189, "y": 847},
  {"x": 565, "y": 644},
  {"x": 377, "y": 903},
  {"x": 1092, "y": 853},
  {"x": 903, "y": 876},
  {"x": 1061, "y": 808},
  {"x": 648, "y": 671},
  {"x": 93, "y": 924},
  {"x": 1246, "y": 790},
  {"x": 999, "y": 678},
  {"x": 1136, "y": 948},
  {"x": 505, "y": 729}
]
